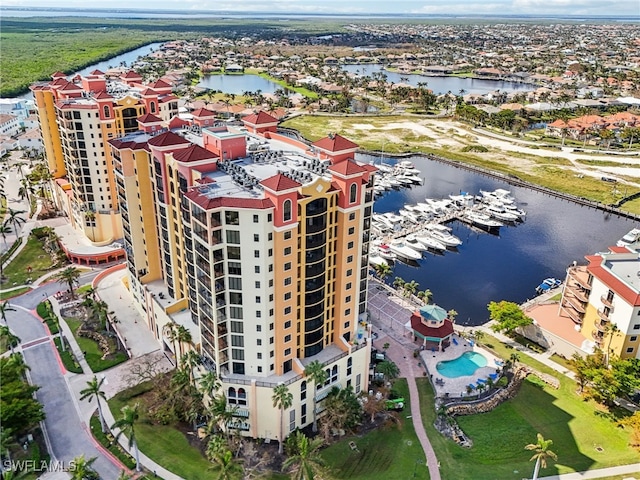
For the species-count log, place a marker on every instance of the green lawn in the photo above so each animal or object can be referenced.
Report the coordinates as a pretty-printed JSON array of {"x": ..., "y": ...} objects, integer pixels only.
[
  {"x": 92, "y": 352},
  {"x": 49, "y": 320},
  {"x": 68, "y": 360},
  {"x": 32, "y": 255},
  {"x": 163, "y": 443},
  {"x": 390, "y": 453},
  {"x": 575, "y": 426}
]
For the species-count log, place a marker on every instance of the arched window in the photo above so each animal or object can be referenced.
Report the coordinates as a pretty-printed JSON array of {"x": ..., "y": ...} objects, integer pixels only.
[
  {"x": 303, "y": 391},
  {"x": 232, "y": 397},
  {"x": 286, "y": 211},
  {"x": 242, "y": 396},
  {"x": 107, "y": 113},
  {"x": 349, "y": 365},
  {"x": 334, "y": 374},
  {"x": 153, "y": 107},
  {"x": 353, "y": 191}
]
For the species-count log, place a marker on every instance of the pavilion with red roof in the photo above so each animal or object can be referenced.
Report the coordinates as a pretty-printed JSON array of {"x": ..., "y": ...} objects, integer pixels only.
[
  {"x": 335, "y": 148},
  {"x": 432, "y": 325},
  {"x": 260, "y": 122}
]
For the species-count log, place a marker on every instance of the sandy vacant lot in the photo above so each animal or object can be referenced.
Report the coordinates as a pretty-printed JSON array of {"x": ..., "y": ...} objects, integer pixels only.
[{"x": 524, "y": 155}]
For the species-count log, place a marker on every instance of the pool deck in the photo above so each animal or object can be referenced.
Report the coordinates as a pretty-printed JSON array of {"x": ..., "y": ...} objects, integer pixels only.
[{"x": 457, "y": 387}]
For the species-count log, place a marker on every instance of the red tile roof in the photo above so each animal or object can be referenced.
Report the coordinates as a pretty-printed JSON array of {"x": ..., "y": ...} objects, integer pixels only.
[
  {"x": 441, "y": 332},
  {"x": 194, "y": 153},
  {"x": 131, "y": 75},
  {"x": 603, "y": 274},
  {"x": 346, "y": 168},
  {"x": 279, "y": 183},
  {"x": 177, "y": 122},
  {"x": 57, "y": 74},
  {"x": 260, "y": 118},
  {"x": 102, "y": 96},
  {"x": 203, "y": 112},
  {"x": 70, "y": 87},
  {"x": 159, "y": 84},
  {"x": 148, "y": 91},
  {"x": 217, "y": 202},
  {"x": 149, "y": 118},
  {"x": 335, "y": 143},
  {"x": 97, "y": 72},
  {"x": 131, "y": 144},
  {"x": 167, "y": 139}
]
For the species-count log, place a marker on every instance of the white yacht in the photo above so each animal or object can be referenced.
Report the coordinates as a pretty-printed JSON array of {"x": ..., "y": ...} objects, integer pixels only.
[
  {"x": 631, "y": 237},
  {"x": 482, "y": 220},
  {"x": 385, "y": 252},
  {"x": 499, "y": 194},
  {"x": 404, "y": 251},
  {"x": 498, "y": 211},
  {"x": 511, "y": 208},
  {"x": 411, "y": 241},
  {"x": 443, "y": 235},
  {"x": 429, "y": 241},
  {"x": 412, "y": 217},
  {"x": 376, "y": 259}
]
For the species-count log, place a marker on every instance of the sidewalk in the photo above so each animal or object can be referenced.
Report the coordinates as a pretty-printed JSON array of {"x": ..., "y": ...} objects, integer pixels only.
[{"x": 77, "y": 382}]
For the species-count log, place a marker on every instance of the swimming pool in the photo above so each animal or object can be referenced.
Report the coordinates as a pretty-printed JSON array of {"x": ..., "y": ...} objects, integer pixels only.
[{"x": 462, "y": 366}]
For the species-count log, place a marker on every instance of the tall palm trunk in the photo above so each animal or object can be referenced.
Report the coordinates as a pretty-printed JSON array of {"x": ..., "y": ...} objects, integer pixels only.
[{"x": 536, "y": 469}]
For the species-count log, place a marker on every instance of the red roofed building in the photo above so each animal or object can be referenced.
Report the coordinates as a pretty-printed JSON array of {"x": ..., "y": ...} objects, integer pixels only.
[
  {"x": 335, "y": 148},
  {"x": 260, "y": 122},
  {"x": 227, "y": 145},
  {"x": 203, "y": 117},
  {"x": 606, "y": 292},
  {"x": 432, "y": 325}
]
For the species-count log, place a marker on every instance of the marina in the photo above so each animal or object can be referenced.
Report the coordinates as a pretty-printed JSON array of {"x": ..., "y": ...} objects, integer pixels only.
[{"x": 506, "y": 263}]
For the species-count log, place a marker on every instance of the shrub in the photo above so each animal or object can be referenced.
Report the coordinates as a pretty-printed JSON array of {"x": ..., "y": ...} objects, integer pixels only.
[{"x": 475, "y": 148}]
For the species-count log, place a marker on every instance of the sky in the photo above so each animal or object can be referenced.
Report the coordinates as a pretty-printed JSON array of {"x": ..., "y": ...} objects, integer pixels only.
[{"x": 363, "y": 7}]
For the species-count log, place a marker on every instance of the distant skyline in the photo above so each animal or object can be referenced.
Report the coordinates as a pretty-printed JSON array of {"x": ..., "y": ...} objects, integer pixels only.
[{"x": 364, "y": 7}]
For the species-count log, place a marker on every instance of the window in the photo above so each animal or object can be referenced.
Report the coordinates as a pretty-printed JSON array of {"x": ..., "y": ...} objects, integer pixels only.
[
  {"x": 235, "y": 283},
  {"x": 258, "y": 328},
  {"x": 287, "y": 324},
  {"x": 303, "y": 390},
  {"x": 255, "y": 219},
  {"x": 287, "y": 266},
  {"x": 271, "y": 340},
  {"x": 258, "y": 314},
  {"x": 256, "y": 253},
  {"x": 352, "y": 230},
  {"x": 287, "y": 352},
  {"x": 256, "y": 269},
  {"x": 259, "y": 356},
  {"x": 271, "y": 367},
  {"x": 347, "y": 312},
  {"x": 350, "y": 259},
  {"x": 270, "y": 219},
  {"x": 303, "y": 414},
  {"x": 287, "y": 296},
  {"x": 238, "y": 397},
  {"x": 287, "y": 251},
  {"x": 237, "y": 341},
  {"x": 349, "y": 365},
  {"x": 286, "y": 211},
  {"x": 334, "y": 374},
  {"x": 349, "y": 272},
  {"x": 636, "y": 326},
  {"x": 231, "y": 218},
  {"x": 292, "y": 420},
  {"x": 633, "y": 339},
  {"x": 287, "y": 311},
  {"x": 358, "y": 378},
  {"x": 259, "y": 342},
  {"x": 271, "y": 326},
  {"x": 287, "y": 235},
  {"x": 350, "y": 245},
  {"x": 270, "y": 236},
  {"x": 237, "y": 327},
  {"x": 235, "y": 298},
  {"x": 352, "y": 216},
  {"x": 353, "y": 191},
  {"x": 256, "y": 237},
  {"x": 347, "y": 298},
  {"x": 287, "y": 281},
  {"x": 346, "y": 324},
  {"x": 107, "y": 113},
  {"x": 348, "y": 286},
  {"x": 259, "y": 369},
  {"x": 258, "y": 299},
  {"x": 630, "y": 350},
  {"x": 235, "y": 312},
  {"x": 287, "y": 338},
  {"x": 257, "y": 284},
  {"x": 271, "y": 252}
]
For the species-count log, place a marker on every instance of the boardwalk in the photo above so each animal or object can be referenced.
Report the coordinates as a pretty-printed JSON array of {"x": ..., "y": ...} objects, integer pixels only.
[{"x": 388, "y": 315}]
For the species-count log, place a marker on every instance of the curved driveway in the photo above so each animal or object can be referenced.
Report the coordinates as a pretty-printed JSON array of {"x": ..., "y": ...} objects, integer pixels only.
[{"x": 68, "y": 435}]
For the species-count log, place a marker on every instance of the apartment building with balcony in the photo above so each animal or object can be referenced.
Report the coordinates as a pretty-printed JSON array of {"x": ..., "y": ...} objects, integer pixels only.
[
  {"x": 77, "y": 118},
  {"x": 263, "y": 258},
  {"x": 605, "y": 294}
]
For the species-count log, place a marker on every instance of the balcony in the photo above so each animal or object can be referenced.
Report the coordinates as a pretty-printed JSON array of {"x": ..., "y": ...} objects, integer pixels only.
[
  {"x": 607, "y": 302},
  {"x": 604, "y": 314},
  {"x": 575, "y": 305},
  {"x": 580, "y": 276},
  {"x": 601, "y": 327},
  {"x": 572, "y": 314},
  {"x": 577, "y": 292},
  {"x": 597, "y": 338}
]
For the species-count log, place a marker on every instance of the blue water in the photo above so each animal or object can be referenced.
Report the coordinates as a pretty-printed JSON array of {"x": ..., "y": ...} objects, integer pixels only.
[
  {"x": 462, "y": 366},
  {"x": 440, "y": 85},
  {"x": 238, "y": 84},
  {"x": 508, "y": 266}
]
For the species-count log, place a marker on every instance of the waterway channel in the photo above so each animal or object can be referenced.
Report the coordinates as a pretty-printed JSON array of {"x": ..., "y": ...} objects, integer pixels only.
[{"x": 507, "y": 266}]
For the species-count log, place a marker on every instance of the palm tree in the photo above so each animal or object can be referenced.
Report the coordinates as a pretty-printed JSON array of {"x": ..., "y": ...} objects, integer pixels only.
[
  {"x": 425, "y": 295},
  {"x": 127, "y": 424},
  {"x": 220, "y": 414},
  {"x": 227, "y": 466},
  {"x": 304, "y": 456},
  {"x": 316, "y": 372},
  {"x": 209, "y": 383},
  {"x": 282, "y": 399},
  {"x": 11, "y": 339},
  {"x": 389, "y": 369},
  {"x": 410, "y": 289},
  {"x": 5, "y": 229},
  {"x": 541, "y": 447},
  {"x": 190, "y": 361},
  {"x": 399, "y": 283},
  {"x": 90, "y": 217},
  {"x": 383, "y": 270},
  {"x": 4, "y": 308},
  {"x": 94, "y": 390},
  {"x": 70, "y": 276},
  {"x": 452, "y": 314},
  {"x": 81, "y": 469},
  {"x": 179, "y": 334},
  {"x": 14, "y": 218},
  {"x": 611, "y": 330}
]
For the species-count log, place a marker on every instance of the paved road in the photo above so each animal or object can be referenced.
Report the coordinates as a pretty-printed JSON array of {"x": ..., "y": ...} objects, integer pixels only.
[{"x": 68, "y": 436}]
